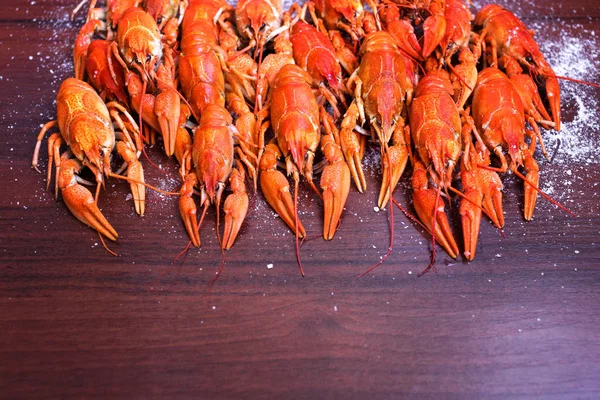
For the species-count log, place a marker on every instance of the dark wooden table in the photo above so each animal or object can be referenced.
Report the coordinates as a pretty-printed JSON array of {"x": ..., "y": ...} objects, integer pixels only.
[{"x": 522, "y": 320}]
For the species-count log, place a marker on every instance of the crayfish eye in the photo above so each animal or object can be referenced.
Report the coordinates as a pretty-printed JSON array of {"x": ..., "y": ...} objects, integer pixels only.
[
  {"x": 159, "y": 20},
  {"x": 148, "y": 58}
]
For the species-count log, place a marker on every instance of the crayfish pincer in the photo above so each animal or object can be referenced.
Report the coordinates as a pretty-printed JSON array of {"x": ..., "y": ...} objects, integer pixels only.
[{"x": 500, "y": 118}]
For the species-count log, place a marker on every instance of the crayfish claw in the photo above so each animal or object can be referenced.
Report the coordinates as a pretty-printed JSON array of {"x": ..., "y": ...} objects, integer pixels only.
[
  {"x": 424, "y": 202},
  {"x": 276, "y": 189},
  {"x": 553, "y": 94},
  {"x": 531, "y": 184},
  {"x": 430, "y": 210},
  {"x": 335, "y": 183},
  {"x": 492, "y": 197},
  {"x": 166, "y": 107},
  {"x": 80, "y": 201},
  {"x": 434, "y": 29},
  {"x": 470, "y": 211},
  {"x": 353, "y": 146},
  {"x": 393, "y": 163},
  {"x": 187, "y": 208},
  {"x": 482, "y": 191},
  {"x": 404, "y": 35},
  {"x": 136, "y": 173},
  {"x": 235, "y": 208}
]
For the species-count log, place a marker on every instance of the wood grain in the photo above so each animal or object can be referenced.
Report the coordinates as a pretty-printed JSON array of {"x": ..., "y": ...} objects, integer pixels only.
[{"x": 521, "y": 321}]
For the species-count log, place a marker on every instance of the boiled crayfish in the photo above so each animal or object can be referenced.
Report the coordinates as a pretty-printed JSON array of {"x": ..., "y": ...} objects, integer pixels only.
[{"x": 250, "y": 91}]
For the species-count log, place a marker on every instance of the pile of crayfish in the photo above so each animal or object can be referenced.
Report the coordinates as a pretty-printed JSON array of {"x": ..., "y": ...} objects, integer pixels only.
[{"x": 240, "y": 94}]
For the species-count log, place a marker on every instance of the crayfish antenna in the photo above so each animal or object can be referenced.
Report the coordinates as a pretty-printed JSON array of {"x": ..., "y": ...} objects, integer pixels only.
[
  {"x": 112, "y": 253},
  {"x": 385, "y": 153},
  {"x": 544, "y": 195},
  {"x": 296, "y": 221},
  {"x": 416, "y": 220}
]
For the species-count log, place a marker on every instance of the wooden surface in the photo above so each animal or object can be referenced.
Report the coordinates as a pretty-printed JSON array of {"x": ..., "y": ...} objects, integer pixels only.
[{"x": 521, "y": 321}]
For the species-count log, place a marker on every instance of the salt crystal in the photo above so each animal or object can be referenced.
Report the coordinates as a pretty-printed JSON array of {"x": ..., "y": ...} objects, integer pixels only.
[{"x": 269, "y": 266}]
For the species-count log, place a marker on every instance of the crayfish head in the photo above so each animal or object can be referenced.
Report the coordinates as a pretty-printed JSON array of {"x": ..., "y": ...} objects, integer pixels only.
[
  {"x": 92, "y": 140},
  {"x": 512, "y": 135},
  {"x": 384, "y": 105},
  {"x": 212, "y": 172},
  {"x": 262, "y": 18},
  {"x": 299, "y": 150}
]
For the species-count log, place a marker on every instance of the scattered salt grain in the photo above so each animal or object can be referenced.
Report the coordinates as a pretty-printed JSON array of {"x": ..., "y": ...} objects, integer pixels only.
[{"x": 269, "y": 266}]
